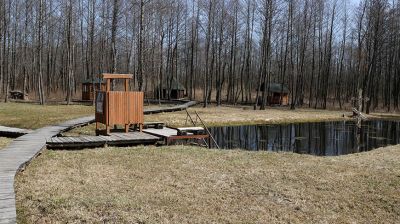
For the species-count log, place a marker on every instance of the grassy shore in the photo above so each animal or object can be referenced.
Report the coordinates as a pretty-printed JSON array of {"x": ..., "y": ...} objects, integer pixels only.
[
  {"x": 194, "y": 185},
  {"x": 224, "y": 115},
  {"x": 32, "y": 116}
]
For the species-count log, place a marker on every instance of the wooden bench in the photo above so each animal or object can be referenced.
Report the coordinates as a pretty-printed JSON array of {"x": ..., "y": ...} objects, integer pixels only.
[{"x": 191, "y": 130}]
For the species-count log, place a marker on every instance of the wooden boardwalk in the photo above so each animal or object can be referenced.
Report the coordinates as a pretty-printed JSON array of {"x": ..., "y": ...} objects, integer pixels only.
[
  {"x": 170, "y": 109},
  {"x": 115, "y": 139},
  {"x": 17, "y": 154},
  {"x": 13, "y": 132}
]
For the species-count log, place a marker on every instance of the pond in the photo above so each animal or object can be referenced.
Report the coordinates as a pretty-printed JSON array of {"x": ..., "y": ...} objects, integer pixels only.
[{"x": 320, "y": 138}]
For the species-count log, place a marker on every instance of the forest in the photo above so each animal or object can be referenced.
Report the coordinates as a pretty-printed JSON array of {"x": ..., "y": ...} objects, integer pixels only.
[{"x": 220, "y": 50}]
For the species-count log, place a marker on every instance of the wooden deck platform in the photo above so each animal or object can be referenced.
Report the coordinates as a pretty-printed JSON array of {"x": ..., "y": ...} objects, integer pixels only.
[
  {"x": 115, "y": 139},
  {"x": 162, "y": 133},
  {"x": 169, "y": 134},
  {"x": 13, "y": 132}
]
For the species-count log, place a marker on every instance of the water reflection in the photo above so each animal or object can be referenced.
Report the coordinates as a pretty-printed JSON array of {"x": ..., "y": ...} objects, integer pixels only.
[{"x": 322, "y": 139}]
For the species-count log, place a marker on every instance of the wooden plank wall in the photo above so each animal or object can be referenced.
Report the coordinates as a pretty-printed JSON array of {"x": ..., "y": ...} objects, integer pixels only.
[
  {"x": 125, "y": 107},
  {"x": 117, "y": 107},
  {"x": 136, "y": 113}
]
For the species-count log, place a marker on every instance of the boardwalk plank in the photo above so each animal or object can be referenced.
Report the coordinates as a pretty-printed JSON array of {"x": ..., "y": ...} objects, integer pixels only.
[{"x": 113, "y": 139}]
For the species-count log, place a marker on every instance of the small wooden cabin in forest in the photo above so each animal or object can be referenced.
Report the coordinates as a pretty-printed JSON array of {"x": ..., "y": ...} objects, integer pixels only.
[
  {"x": 89, "y": 86},
  {"x": 276, "y": 93},
  {"x": 172, "y": 87},
  {"x": 18, "y": 95}
]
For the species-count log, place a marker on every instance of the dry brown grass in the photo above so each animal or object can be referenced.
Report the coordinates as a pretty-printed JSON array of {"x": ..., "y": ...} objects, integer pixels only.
[
  {"x": 215, "y": 116},
  {"x": 24, "y": 115},
  {"x": 194, "y": 185}
]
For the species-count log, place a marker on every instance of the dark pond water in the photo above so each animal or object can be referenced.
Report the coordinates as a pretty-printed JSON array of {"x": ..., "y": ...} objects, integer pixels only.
[{"x": 322, "y": 138}]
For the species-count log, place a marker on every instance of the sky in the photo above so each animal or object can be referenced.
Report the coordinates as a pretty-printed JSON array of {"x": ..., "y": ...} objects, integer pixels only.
[{"x": 355, "y": 2}]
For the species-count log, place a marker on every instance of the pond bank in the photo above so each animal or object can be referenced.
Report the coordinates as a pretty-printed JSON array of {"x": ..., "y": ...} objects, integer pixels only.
[
  {"x": 235, "y": 116},
  {"x": 230, "y": 116}
]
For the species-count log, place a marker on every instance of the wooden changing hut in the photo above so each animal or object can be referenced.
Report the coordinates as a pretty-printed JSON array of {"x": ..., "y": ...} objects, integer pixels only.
[
  {"x": 277, "y": 93},
  {"x": 171, "y": 89},
  {"x": 90, "y": 86},
  {"x": 118, "y": 107}
]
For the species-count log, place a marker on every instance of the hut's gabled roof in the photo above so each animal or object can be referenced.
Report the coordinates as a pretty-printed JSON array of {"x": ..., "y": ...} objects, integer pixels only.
[
  {"x": 174, "y": 84},
  {"x": 91, "y": 81},
  {"x": 275, "y": 88}
]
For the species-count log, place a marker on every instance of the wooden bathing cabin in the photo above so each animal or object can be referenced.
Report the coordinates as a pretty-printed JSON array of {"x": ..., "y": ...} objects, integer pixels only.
[
  {"x": 171, "y": 89},
  {"x": 118, "y": 107},
  {"x": 90, "y": 86},
  {"x": 278, "y": 94}
]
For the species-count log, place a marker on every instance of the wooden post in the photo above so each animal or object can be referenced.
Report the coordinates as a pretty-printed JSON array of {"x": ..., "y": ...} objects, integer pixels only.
[
  {"x": 107, "y": 129},
  {"x": 108, "y": 85},
  {"x": 126, "y": 85},
  {"x": 105, "y": 110},
  {"x": 108, "y": 88},
  {"x": 126, "y": 128},
  {"x": 127, "y": 99}
]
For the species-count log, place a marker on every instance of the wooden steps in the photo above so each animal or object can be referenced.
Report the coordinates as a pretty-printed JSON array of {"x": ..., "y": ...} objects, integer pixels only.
[{"x": 114, "y": 139}]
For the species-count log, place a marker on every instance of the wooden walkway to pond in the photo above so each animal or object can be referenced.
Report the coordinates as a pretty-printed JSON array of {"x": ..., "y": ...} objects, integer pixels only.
[
  {"x": 17, "y": 154},
  {"x": 170, "y": 134}
]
